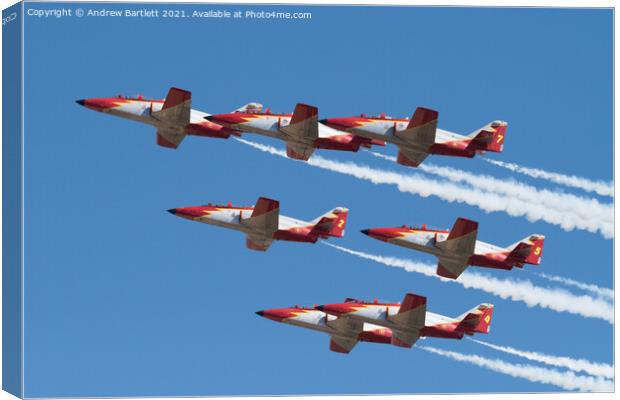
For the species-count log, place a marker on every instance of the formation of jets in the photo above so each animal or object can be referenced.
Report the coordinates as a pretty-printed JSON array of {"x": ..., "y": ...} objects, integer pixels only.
[
  {"x": 353, "y": 321},
  {"x": 398, "y": 324},
  {"x": 302, "y": 131}
]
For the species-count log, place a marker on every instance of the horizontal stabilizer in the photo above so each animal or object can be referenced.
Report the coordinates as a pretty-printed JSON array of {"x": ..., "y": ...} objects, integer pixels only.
[
  {"x": 477, "y": 319},
  {"x": 332, "y": 223},
  {"x": 528, "y": 250},
  {"x": 490, "y": 137}
]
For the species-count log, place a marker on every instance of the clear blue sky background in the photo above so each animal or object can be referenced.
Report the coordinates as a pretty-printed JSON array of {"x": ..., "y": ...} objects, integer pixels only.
[{"x": 124, "y": 299}]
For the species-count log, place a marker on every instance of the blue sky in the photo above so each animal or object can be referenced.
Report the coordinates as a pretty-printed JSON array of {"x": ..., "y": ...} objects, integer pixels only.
[{"x": 124, "y": 299}]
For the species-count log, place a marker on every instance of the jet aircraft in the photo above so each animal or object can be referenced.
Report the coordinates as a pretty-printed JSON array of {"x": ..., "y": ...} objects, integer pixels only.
[
  {"x": 301, "y": 130},
  {"x": 399, "y": 324},
  {"x": 458, "y": 247},
  {"x": 173, "y": 117},
  {"x": 263, "y": 223},
  {"x": 419, "y": 136}
]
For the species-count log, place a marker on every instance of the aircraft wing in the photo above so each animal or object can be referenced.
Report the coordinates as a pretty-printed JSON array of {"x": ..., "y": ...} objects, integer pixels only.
[
  {"x": 342, "y": 344},
  {"x": 176, "y": 109},
  {"x": 299, "y": 151},
  {"x": 256, "y": 242},
  {"x": 265, "y": 217},
  {"x": 175, "y": 114},
  {"x": 411, "y": 157},
  {"x": 304, "y": 125},
  {"x": 449, "y": 268},
  {"x": 263, "y": 223},
  {"x": 403, "y": 338},
  {"x": 462, "y": 238},
  {"x": 419, "y": 136},
  {"x": 412, "y": 312},
  {"x": 170, "y": 137},
  {"x": 347, "y": 333},
  {"x": 421, "y": 129}
]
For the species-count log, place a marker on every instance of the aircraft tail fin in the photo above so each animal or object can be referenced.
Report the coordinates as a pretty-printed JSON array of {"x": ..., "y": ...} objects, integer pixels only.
[
  {"x": 528, "y": 250},
  {"x": 490, "y": 137},
  {"x": 477, "y": 319},
  {"x": 332, "y": 223}
]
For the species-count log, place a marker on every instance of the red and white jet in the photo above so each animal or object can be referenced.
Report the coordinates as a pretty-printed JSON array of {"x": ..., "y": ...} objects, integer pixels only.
[
  {"x": 458, "y": 247},
  {"x": 418, "y": 137},
  {"x": 173, "y": 117},
  {"x": 399, "y": 324},
  {"x": 301, "y": 130},
  {"x": 263, "y": 223}
]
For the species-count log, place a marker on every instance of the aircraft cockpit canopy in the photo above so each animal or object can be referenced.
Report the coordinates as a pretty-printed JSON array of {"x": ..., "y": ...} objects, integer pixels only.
[{"x": 251, "y": 108}]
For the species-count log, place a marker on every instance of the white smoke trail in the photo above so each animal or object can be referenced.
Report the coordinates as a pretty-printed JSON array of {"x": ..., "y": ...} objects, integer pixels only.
[
  {"x": 597, "y": 290},
  {"x": 486, "y": 201},
  {"x": 577, "y": 365},
  {"x": 525, "y": 291},
  {"x": 599, "y": 187},
  {"x": 565, "y": 380},
  {"x": 582, "y": 207}
]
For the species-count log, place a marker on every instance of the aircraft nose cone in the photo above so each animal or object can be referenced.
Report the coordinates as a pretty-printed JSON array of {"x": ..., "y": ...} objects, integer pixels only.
[
  {"x": 339, "y": 123},
  {"x": 384, "y": 234},
  {"x": 323, "y": 121},
  {"x": 320, "y": 308},
  {"x": 172, "y": 211},
  {"x": 81, "y": 102},
  {"x": 229, "y": 120},
  {"x": 260, "y": 313}
]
